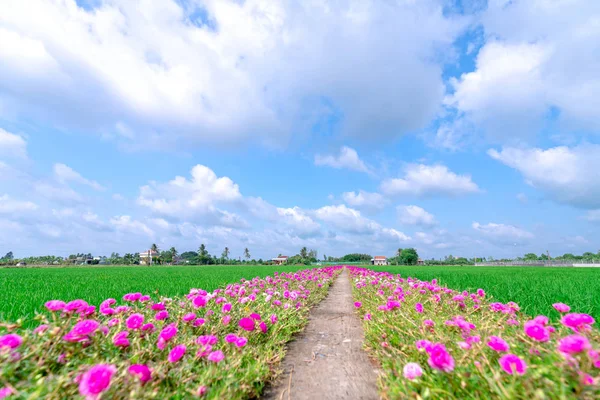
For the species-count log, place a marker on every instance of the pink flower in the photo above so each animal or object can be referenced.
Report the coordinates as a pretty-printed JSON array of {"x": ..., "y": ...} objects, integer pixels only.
[
  {"x": 561, "y": 307},
  {"x": 207, "y": 340},
  {"x": 263, "y": 327},
  {"x": 148, "y": 328},
  {"x": 273, "y": 319},
  {"x": 177, "y": 352},
  {"x": 412, "y": 371},
  {"x": 198, "y": 322},
  {"x": 428, "y": 322},
  {"x": 141, "y": 371},
  {"x": 422, "y": 344},
  {"x": 480, "y": 293},
  {"x": 216, "y": 356},
  {"x": 536, "y": 331},
  {"x": 158, "y": 306},
  {"x": 439, "y": 358},
  {"x": 231, "y": 338},
  {"x": 144, "y": 298},
  {"x": 189, "y": 317},
  {"x": 226, "y": 307},
  {"x": 199, "y": 301},
  {"x": 577, "y": 322},
  {"x": 247, "y": 324},
  {"x": 241, "y": 342},
  {"x": 573, "y": 344},
  {"x": 96, "y": 380},
  {"x": 419, "y": 307},
  {"x": 255, "y": 316},
  {"x": 5, "y": 392},
  {"x": 357, "y": 304},
  {"x": 75, "y": 305},
  {"x": 498, "y": 344},
  {"x": 11, "y": 341},
  {"x": 367, "y": 317},
  {"x": 120, "y": 339},
  {"x": 226, "y": 320},
  {"x": 464, "y": 345},
  {"x": 55, "y": 305},
  {"x": 135, "y": 321},
  {"x": 512, "y": 364},
  {"x": 132, "y": 297},
  {"x": 512, "y": 322},
  {"x": 168, "y": 332},
  {"x": 161, "y": 315},
  {"x": 40, "y": 329},
  {"x": 201, "y": 391}
]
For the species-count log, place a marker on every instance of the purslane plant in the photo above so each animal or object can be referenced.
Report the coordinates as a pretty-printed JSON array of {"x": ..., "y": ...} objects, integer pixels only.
[
  {"x": 434, "y": 342},
  {"x": 222, "y": 344}
]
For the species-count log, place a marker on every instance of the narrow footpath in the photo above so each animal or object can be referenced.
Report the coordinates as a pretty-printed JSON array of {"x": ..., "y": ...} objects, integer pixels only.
[{"x": 326, "y": 360}]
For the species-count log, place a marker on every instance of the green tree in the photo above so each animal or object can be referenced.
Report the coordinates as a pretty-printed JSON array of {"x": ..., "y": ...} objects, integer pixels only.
[
  {"x": 225, "y": 254},
  {"x": 9, "y": 256},
  {"x": 530, "y": 257},
  {"x": 154, "y": 247},
  {"x": 173, "y": 252},
  {"x": 247, "y": 253},
  {"x": 304, "y": 252},
  {"x": 409, "y": 256}
]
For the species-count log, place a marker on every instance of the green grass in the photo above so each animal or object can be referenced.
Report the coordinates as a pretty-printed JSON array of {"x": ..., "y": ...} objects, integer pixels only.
[
  {"x": 535, "y": 289},
  {"x": 23, "y": 291}
]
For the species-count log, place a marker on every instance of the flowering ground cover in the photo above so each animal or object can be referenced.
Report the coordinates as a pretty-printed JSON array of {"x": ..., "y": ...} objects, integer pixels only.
[
  {"x": 24, "y": 290},
  {"x": 435, "y": 342},
  {"x": 220, "y": 344},
  {"x": 534, "y": 288}
]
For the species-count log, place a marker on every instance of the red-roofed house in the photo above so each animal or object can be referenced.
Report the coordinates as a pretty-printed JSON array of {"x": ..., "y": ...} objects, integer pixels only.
[
  {"x": 379, "y": 260},
  {"x": 280, "y": 260}
]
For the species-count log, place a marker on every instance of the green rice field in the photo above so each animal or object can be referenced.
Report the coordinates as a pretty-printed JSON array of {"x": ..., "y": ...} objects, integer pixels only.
[
  {"x": 535, "y": 289},
  {"x": 23, "y": 291}
]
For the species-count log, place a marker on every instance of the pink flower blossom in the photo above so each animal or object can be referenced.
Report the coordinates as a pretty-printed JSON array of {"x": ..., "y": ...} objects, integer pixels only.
[
  {"x": 158, "y": 306},
  {"x": 498, "y": 344},
  {"x": 141, "y": 371},
  {"x": 247, "y": 324},
  {"x": 577, "y": 322},
  {"x": 168, "y": 332},
  {"x": 367, "y": 317},
  {"x": 5, "y": 392},
  {"x": 132, "y": 297},
  {"x": 198, "y": 322},
  {"x": 199, "y": 301},
  {"x": 207, "y": 340},
  {"x": 148, "y": 328},
  {"x": 512, "y": 322},
  {"x": 11, "y": 341},
  {"x": 120, "y": 339},
  {"x": 231, "y": 338},
  {"x": 480, "y": 293},
  {"x": 255, "y": 316},
  {"x": 273, "y": 319},
  {"x": 511, "y": 364},
  {"x": 201, "y": 391},
  {"x": 241, "y": 342},
  {"x": 135, "y": 321},
  {"x": 263, "y": 327},
  {"x": 96, "y": 380},
  {"x": 40, "y": 329},
  {"x": 55, "y": 305},
  {"x": 422, "y": 344},
  {"x": 561, "y": 307},
  {"x": 226, "y": 320},
  {"x": 412, "y": 371},
  {"x": 189, "y": 317},
  {"x": 216, "y": 356},
  {"x": 419, "y": 307},
  {"x": 428, "y": 322},
  {"x": 161, "y": 315},
  {"x": 439, "y": 358},
  {"x": 177, "y": 352},
  {"x": 226, "y": 308},
  {"x": 536, "y": 331},
  {"x": 75, "y": 305},
  {"x": 357, "y": 304},
  {"x": 573, "y": 344}
]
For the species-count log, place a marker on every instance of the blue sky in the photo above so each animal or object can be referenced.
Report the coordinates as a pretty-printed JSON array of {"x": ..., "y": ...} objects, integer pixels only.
[{"x": 455, "y": 127}]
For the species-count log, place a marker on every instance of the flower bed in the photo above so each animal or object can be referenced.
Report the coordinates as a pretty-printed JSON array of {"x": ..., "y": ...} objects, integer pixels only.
[
  {"x": 223, "y": 344},
  {"x": 433, "y": 342}
]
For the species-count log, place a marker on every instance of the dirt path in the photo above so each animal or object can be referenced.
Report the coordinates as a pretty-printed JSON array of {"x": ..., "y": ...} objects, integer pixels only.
[{"x": 327, "y": 361}]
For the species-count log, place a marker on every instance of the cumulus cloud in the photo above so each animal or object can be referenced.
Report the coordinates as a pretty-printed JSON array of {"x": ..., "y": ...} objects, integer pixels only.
[
  {"x": 158, "y": 73},
  {"x": 502, "y": 233},
  {"x": 569, "y": 175},
  {"x": 65, "y": 174},
  {"x": 365, "y": 200},
  {"x": 10, "y": 206},
  {"x": 429, "y": 180},
  {"x": 11, "y": 145},
  {"x": 126, "y": 224},
  {"x": 346, "y": 159},
  {"x": 415, "y": 215}
]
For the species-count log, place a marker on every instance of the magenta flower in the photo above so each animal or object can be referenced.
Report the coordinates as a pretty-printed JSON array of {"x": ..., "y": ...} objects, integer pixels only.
[
  {"x": 419, "y": 307},
  {"x": 255, "y": 316},
  {"x": 498, "y": 344},
  {"x": 132, "y": 297},
  {"x": 141, "y": 371},
  {"x": 96, "y": 380},
  {"x": 216, "y": 356},
  {"x": 120, "y": 339},
  {"x": 536, "y": 331},
  {"x": 158, "y": 307},
  {"x": 40, "y": 329},
  {"x": 367, "y": 317},
  {"x": 241, "y": 342},
  {"x": 201, "y": 391},
  {"x": 168, "y": 332},
  {"x": 135, "y": 321},
  {"x": 561, "y": 307},
  {"x": 512, "y": 364},
  {"x": 55, "y": 305},
  {"x": 573, "y": 344},
  {"x": 199, "y": 301},
  {"x": 263, "y": 327},
  {"x": 161, "y": 315},
  {"x": 357, "y": 304},
  {"x": 198, "y": 322},
  {"x": 273, "y": 319},
  {"x": 226, "y": 307},
  {"x": 177, "y": 352},
  {"x": 207, "y": 340},
  {"x": 75, "y": 305},
  {"x": 428, "y": 322},
  {"x": 422, "y": 344},
  {"x": 11, "y": 341},
  {"x": 189, "y": 317},
  {"x": 480, "y": 293},
  {"x": 231, "y": 338},
  {"x": 577, "y": 322},
  {"x": 226, "y": 320},
  {"x": 247, "y": 324},
  {"x": 5, "y": 392},
  {"x": 412, "y": 371},
  {"x": 148, "y": 328},
  {"x": 439, "y": 358}
]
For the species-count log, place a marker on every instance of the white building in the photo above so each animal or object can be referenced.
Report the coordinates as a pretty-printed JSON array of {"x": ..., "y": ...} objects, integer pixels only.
[{"x": 379, "y": 260}]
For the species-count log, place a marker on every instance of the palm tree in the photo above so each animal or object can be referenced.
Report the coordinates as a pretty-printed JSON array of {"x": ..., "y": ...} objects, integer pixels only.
[
  {"x": 398, "y": 254},
  {"x": 225, "y": 254},
  {"x": 154, "y": 247},
  {"x": 247, "y": 253},
  {"x": 304, "y": 252},
  {"x": 174, "y": 253}
]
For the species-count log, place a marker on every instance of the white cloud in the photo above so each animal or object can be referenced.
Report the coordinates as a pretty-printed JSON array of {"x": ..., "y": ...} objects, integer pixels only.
[
  {"x": 568, "y": 175},
  {"x": 58, "y": 193},
  {"x": 365, "y": 200},
  {"x": 540, "y": 60},
  {"x": 346, "y": 219},
  {"x": 393, "y": 235},
  {"x": 347, "y": 159},
  {"x": 118, "y": 197},
  {"x": 429, "y": 180},
  {"x": 126, "y": 224},
  {"x": 152, "y": 68},
  {"x": 593, "y": 216},
  {"x": 10, "y": 206},
  {"x": 415, "y": 215},
  {"x": 65, "y": 174},
  {"x": 503, "y": 234},
  {"x": 12, "y": 145},
  {"x": 301, "y": 223}
]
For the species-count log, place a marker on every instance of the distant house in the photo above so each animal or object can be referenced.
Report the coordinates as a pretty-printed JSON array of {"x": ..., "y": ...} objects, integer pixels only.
[
  {"x": 379, "y": 260},
  {"x": 279, "y": 260},
  {"x": 147, "y": 256},
  {"x": 420, "y": 262},
  {"x": 21, "y": 264}
]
